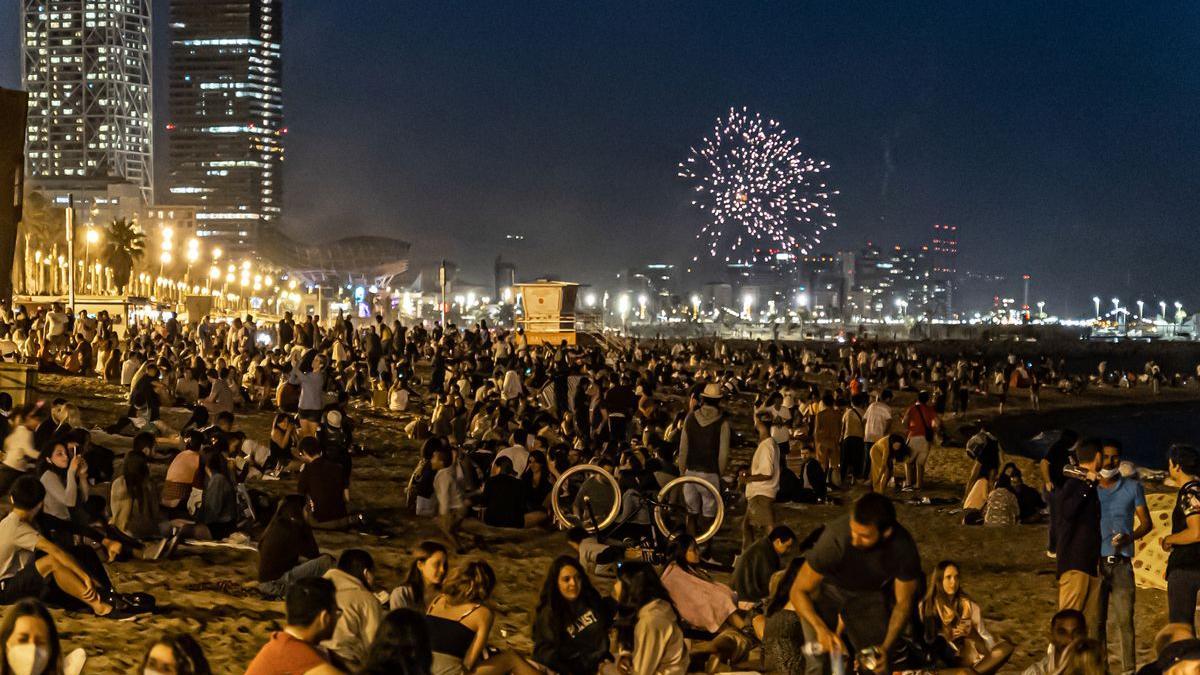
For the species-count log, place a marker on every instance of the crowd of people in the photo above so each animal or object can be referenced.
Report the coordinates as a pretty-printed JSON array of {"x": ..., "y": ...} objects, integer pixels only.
[{"x": 497, "y": 421}]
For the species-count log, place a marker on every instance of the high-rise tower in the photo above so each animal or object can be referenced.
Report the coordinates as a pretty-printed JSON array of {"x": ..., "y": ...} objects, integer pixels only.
[
  {"x": 225, "y": 122},
  {"x": 87, "y": 72}
]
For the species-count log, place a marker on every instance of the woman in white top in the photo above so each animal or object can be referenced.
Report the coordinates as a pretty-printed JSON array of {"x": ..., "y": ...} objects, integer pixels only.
[
  {"x": 64, "y": 475},
  {"x": 656, "y": 641},
  {"x": 954, "y": 624},
  {"x": 20, "y": 456}
]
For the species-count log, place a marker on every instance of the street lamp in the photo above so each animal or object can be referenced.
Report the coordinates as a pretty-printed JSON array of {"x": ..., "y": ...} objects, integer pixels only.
[
  {"x": 89, "y": 238},
  {"x": 1096, "y": 301},
  {"x": 163, "y": 260},
  {"x": 1116, "y": 304},
  {"x": 1041, "y": 309}
]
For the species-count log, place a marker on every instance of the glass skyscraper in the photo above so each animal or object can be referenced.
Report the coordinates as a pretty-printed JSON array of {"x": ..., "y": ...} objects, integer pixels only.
[{"x": 225, "y": 123}]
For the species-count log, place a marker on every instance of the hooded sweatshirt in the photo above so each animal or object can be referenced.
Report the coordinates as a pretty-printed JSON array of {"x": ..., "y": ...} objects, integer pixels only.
[
  {"x": 704, "y": 441},
  {"x": 361, "y": 613}
]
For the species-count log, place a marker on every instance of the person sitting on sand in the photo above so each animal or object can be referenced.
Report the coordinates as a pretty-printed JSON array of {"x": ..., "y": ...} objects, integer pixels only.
[
  {"x": 312, "y": 613},
  {"x": 504, "y": 497},
  {"x": 779, "y": 626},
  {"x": 68, "y": 509},
  {"x": 759, "y": 562},
  {"x": 654, "y": 637},
  {"x": 29, "y": 640},
  {"x": 183, "y": 474},
  {"x": 20, "y": 452},
  {"x": 424, "y": 580},
  {"x": 144, "y": 403},
  {"x": 703, "y": 604},
  {"x": 1029, "y": 500},
  {"x": 954, "y": 625},
  {"x": 1067, "y": 627},
  {"x": 133, "y": 500},
  {"x": 25, "y": 575},
  {"x": 218, "y": 510},
  {"x": 322, "y": 482},
  {"x": 175, "y": 654},
  {"x": 288, "y": 550},
  {"x": 401, "y": 645},
  {"x": 460, "y": 622},
  {"x": 570, "y": 629},
  {"x": 359, "y": 610}
]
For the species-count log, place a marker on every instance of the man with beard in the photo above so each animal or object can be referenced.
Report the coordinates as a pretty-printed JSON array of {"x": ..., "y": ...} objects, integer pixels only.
[
  {"x": 312, "y": 614},
  {"x": 865, "y": 570}
]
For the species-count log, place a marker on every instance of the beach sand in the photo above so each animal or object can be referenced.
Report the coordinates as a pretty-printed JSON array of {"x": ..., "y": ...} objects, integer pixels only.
[{"x": 208, "y": 591}]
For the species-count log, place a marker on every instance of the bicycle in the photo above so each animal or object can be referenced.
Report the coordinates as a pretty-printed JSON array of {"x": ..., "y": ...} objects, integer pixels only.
[{"x": 662, "y": 507}]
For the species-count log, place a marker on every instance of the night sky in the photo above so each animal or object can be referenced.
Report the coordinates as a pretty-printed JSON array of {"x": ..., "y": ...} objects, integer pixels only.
[{"x": 1064, "y": 142}]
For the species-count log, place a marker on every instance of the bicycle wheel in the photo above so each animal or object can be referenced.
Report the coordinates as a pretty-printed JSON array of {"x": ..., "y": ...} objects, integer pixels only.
[
  {"x": 592, "y": 497},
  {"x": 669, "y": 503}
]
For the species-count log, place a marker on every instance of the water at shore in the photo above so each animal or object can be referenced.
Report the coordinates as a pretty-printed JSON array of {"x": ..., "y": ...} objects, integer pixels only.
[{"x": 1146, "y": 431}]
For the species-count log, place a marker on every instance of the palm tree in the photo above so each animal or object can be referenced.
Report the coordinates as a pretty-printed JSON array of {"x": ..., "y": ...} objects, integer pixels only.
[
  {"x": 42, "y": 222},
  {"x": 125, "y": 244}
]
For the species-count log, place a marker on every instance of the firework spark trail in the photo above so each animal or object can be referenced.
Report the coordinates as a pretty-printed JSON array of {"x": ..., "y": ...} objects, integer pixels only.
[{"x": 758, "y": 189}]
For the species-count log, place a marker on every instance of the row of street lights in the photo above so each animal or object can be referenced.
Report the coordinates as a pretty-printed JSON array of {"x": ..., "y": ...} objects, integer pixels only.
[{"x": 1162, "y": 308}]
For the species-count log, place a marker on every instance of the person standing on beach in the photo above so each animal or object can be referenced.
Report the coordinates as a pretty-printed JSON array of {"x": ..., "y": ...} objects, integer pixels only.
[
  {"x": 1058, "y": 456},
  {"x": 762, "y": 484},
  {"x": 704, "y": 452},
  {"x": 921, "y": 421},
  {"x": 877, "y": 421},
  {"x": 1183, "y": 564},
  {"x": 1121, "y": 499},
  {"x": 826, "y": 432},
  {"x": 853, "y": 446},
  {"x": 1078, "y": 513}
]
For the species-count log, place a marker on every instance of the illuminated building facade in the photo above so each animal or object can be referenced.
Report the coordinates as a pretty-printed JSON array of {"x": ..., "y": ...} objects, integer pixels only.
[
  {"x": 225, "y": 122},
  {"x": 87, "y": 71}
]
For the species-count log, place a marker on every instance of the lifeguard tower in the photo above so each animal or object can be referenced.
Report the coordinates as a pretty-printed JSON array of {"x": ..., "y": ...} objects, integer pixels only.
[{"x": 547, "y": 311}]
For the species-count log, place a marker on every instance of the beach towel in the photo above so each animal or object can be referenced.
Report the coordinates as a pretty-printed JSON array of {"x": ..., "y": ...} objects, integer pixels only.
[{"x": 1149, "y": 560}]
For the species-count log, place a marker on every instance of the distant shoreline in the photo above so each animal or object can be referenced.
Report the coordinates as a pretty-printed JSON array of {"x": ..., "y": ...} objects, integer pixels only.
[{"x": 1015, "y": 430}]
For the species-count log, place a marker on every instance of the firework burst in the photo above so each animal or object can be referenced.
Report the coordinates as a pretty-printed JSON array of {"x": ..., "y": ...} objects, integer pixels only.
[{"x": 760, "y": 191}]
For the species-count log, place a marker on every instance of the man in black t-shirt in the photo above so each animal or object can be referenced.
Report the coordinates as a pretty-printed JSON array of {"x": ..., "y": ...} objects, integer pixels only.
[
  {"x": 1183, "y": 544},
  {"x": 1058, "y": 456},
  {"x": 865, "y": 570},
  {"x": 322, "y": 483},
  {"x": 1077, "y": 510},
  {"x": 504, "y": 496}
]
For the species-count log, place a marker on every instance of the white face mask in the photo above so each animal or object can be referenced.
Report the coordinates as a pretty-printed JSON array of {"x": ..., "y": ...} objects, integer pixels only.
[
  {"x": 1109, "y": 473},
  {"x": 27, "y": 659}
]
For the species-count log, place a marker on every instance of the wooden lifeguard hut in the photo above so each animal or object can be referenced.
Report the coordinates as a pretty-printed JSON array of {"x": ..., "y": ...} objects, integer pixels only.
[{"x": 547, "y": 311}]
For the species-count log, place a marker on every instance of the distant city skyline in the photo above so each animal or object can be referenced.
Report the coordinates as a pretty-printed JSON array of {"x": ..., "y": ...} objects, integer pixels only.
[{"x": 1059, "y": 139}]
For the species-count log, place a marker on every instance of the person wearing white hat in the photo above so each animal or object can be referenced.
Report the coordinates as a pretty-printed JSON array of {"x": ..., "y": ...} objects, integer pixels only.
[{"x": 704, "y": 452}]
